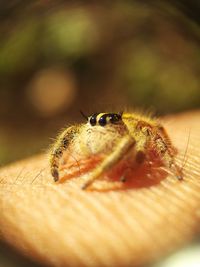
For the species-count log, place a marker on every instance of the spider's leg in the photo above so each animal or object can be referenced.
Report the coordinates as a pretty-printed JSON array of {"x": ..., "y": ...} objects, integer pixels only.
[
  {"x": 59, "y": 147},
  {"x": 121, "y": 149},
  {"x": 165, "y": 149},
  {"x": 157, "y": 138}
]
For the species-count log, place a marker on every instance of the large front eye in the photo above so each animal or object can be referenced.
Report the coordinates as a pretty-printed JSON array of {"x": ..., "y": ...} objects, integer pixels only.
[{"x": 102, "y": 121}]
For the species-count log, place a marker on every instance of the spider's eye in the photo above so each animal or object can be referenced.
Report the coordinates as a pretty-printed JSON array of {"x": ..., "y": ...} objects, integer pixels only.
[
  {"x": 93, "y": 120},
  {"x": 114, "y": 118},
  {"x": 102, "y": 120}
]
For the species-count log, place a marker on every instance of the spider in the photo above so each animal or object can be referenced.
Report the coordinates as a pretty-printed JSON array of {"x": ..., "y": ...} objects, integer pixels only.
[{"x": 107, "y": 139}]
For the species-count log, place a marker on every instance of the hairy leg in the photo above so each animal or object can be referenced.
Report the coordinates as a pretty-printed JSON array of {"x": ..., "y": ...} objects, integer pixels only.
[
  {"x": 118, "y": 153},
  {"x": 59, "y": 147}
]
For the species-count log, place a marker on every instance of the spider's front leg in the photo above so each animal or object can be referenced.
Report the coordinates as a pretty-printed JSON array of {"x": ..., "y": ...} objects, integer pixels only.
[
  {"x": 119, "y": 151},
  {"x": 63, "y": 141}
]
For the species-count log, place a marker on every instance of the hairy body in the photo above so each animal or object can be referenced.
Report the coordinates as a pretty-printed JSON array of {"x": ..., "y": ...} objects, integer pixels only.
[{"x": 110, "y": 138}]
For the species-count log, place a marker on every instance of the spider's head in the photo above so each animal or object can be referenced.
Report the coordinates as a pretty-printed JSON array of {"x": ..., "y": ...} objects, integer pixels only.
[
  {"x": 103, "y": 131},
  {"x": 104, "y": 119}
]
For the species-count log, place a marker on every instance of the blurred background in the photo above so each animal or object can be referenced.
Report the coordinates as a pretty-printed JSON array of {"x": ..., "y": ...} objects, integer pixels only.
[{"x": 59, "y": 57}]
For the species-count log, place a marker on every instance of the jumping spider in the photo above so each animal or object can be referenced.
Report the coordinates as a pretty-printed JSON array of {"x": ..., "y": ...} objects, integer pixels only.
[{"x": 111, "y": 137}]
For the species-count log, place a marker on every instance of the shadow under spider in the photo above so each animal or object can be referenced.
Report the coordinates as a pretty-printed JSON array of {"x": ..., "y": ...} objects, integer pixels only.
[
  {"x": 139, "y": 176},
  {"x": 124, "y": 176}
]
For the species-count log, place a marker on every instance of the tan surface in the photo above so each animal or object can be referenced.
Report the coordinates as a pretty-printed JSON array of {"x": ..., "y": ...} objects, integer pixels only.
[{"x": 63, "y": 225}]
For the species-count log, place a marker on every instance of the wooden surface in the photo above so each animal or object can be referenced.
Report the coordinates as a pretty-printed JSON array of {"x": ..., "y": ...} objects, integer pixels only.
[{"x": 62, "y": 225}]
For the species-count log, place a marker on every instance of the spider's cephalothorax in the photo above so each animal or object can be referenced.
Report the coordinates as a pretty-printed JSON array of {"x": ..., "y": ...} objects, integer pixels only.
[{"x": 111, "y": 137}]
